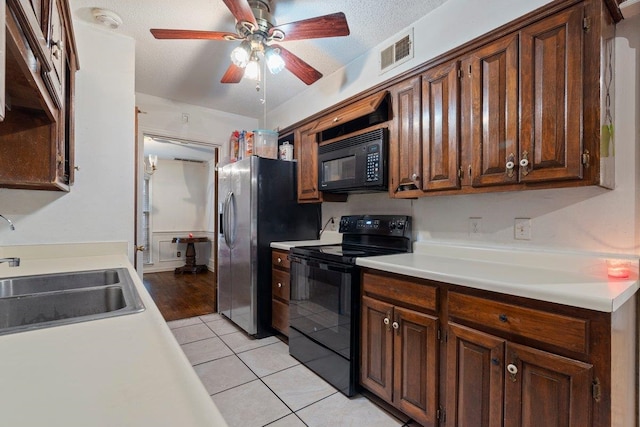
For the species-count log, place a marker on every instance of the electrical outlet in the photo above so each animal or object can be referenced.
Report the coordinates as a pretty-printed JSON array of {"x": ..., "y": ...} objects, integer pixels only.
[
  {"x": 179, "y": 254},
  {"x": 475, "y": 226},
  {"x": 522, "y": 229}
]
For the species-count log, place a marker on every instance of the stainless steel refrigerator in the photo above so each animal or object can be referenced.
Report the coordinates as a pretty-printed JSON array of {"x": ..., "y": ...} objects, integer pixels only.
[{"x": 258, "y": 205}]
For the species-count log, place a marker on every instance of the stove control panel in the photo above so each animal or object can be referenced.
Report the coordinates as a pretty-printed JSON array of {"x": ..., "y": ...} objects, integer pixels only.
[{"x": 383, "y": 225}]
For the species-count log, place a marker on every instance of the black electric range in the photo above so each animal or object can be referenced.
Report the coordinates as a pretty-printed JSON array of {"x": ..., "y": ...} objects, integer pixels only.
[{"x": 324, "y": 308}]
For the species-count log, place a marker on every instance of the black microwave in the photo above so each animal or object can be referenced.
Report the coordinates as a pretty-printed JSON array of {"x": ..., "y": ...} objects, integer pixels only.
[{"x": 356, "y": 164}]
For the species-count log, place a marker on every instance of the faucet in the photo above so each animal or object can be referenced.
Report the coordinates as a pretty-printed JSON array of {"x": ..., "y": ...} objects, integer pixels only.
[
  {"x": 9, "y": 221},
  {"x": 13, "y": 262}
]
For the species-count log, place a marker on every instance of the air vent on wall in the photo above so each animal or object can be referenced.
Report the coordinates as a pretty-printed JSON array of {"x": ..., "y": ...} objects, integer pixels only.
[{"x": 397, "y": 53}]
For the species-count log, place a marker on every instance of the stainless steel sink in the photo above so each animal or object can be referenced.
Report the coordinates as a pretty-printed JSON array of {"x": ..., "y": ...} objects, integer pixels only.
[
  {"x": 34, "y": 302},
  {"x": 57, "y": 282}
]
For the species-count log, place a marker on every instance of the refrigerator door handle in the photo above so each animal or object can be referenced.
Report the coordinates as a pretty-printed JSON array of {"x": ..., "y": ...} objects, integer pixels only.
[
  {"x": 232, "y": 219},
  {"x": 225, "y": 219}
]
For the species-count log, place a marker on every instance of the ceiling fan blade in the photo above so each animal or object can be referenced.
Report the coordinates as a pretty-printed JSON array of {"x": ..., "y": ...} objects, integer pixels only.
[
  {"x": 233, "y": 74},
  {"x": 192, "y": 34},
  {"x": 334, "y": 25},
  {"x": 298, "y": 67},
  {"x": 241, "y": 10}
]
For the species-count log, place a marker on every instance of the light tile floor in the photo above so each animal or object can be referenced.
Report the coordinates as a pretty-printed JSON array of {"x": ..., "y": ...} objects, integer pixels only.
[{"x": 257, "y": 383}]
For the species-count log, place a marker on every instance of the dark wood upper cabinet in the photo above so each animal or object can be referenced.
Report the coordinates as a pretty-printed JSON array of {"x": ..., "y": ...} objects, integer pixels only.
[
  {"x": 405, "y": 163},
  {"x": 551, "y": 64},
  {"x": 521, "y": 107},
  {"x": 37, "y": 135},
  {"x": 440, "y": 128},
  {"x": 306, "y": 152},
  {"x": 491, "y": 74}
]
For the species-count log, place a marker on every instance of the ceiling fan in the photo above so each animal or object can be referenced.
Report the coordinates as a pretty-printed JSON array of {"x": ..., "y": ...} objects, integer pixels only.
[{"x": 256, "y": 29}]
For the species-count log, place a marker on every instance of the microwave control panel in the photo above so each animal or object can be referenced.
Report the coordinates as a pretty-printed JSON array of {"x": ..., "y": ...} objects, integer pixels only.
[{"x": 373, "y": 163}]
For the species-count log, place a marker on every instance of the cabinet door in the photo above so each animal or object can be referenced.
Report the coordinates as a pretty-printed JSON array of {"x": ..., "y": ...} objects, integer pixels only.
[
  {"x": 493, "y": 71},
  {"x": 475, "y": 375},
  {"x": 306, "y": 149},
  {"x": 416, "y": 365},
  {"x": 376, "y": 368},
  {"x": 405, "y": 164},
  {"x": 440, "y": 135},
  {"x": 546, "y": 390},
  {"x": 551, "y": 98}
]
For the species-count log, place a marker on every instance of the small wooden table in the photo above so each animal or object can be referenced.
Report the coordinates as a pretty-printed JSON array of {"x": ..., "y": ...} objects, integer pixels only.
[{"x": 190, "y": 255}]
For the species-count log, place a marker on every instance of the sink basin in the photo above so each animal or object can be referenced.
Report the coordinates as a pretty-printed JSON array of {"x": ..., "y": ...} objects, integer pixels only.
[
  {"x": 57, "y": 282},
  {"x": 34, "y": 302}
]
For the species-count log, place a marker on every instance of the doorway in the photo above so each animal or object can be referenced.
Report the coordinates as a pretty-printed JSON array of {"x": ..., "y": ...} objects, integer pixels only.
[{"x": 177, "y": 198}]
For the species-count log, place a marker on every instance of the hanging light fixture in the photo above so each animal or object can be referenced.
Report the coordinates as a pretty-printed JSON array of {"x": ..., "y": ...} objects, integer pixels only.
[
  {"x": 275, "y": 63},
  {"x": 252, "y": 71},
  {"x": 153, "y": 161},
  {"x": 241, "y": 55}
]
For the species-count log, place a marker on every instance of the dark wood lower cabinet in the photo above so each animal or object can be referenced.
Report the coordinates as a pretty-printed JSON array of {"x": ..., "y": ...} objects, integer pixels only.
[
  {"x": 449, "y": 355},
  {"x": 474, "y": 378},
  {"x": 400, "y": 358},
  {"x": 490, "y": 380},
  {"x": 546, "y": 390},
  {"x": 280, "y": 291}
]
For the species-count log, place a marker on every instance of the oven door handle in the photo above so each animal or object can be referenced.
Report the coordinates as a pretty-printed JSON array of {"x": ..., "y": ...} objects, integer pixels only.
[{"x": 322, "y": 265}]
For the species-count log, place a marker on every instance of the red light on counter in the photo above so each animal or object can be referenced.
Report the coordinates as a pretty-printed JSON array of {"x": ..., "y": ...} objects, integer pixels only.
[{"x": 618, "y": 268}]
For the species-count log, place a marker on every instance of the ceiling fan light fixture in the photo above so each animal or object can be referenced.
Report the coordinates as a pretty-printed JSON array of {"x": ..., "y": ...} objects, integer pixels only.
[
  {"x": 252, "y": 72},
  {"x": 275, "y": 63},
  {"x": 241, "y": 55}
]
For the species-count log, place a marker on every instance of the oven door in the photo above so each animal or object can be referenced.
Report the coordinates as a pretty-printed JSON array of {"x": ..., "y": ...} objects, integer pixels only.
[{"x": 323, "y": 303}]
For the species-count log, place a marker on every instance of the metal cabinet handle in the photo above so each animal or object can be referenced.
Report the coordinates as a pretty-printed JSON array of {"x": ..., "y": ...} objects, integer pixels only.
[
  {"x": 395, "y": 325},
  {"x": 336, "y": 119},
  {"x": 279, "y": 284},
  {"x": 386, "y": 320},
  {"x": 279, "y": 260},
  {"x": 415, "y": 177}
]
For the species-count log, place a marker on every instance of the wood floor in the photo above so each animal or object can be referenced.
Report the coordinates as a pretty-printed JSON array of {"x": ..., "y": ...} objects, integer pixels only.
[{"x": 179, "y": 296}]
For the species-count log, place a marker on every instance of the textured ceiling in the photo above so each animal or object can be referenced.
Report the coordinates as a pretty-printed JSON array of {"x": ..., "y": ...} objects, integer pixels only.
[{"x": 189, "y": 71}]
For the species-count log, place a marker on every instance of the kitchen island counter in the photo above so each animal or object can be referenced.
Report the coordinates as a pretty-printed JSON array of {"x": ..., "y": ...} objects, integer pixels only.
[
  {"x": 121, "y": 371},
  {"x": 574, "y": 279}
]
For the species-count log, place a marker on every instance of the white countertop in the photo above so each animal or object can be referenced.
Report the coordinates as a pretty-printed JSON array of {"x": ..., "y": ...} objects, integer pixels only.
[
  {"x": 575, "y": 279},
  {"x": 120, "y": 371},
  {"x": 327, "y": 238}
]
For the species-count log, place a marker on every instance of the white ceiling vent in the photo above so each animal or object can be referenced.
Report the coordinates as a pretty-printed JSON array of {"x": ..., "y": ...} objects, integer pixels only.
[{"x": 397, "y": 53}]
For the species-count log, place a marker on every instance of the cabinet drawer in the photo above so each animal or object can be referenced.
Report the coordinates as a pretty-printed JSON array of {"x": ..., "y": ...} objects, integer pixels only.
[
  {"x": 280, "y": 259},
  {"x": 415, "y": 293},
  {"x": 563, "y": 331},
  {"x": 280, "y": 316},
  {"x": 280, "y": 287}
]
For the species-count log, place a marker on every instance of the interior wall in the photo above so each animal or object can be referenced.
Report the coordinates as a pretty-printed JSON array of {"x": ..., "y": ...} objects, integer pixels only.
[
  {"x": 584, "y": 219},
  {"x": 101, "y": 203},
  {"x": 179, "y": 197},
  {"x": 165, "y": 117}
]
